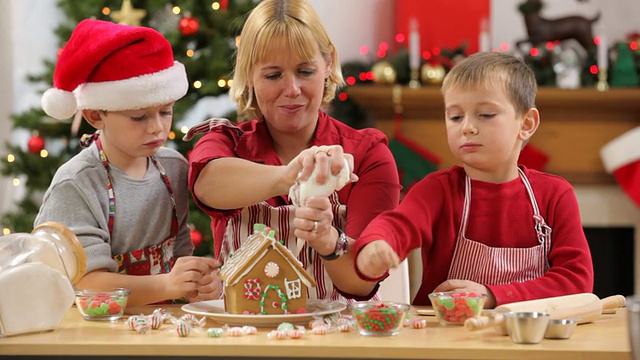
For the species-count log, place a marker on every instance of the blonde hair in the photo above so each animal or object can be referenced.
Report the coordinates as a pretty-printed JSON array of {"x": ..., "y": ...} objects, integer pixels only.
[
  {"x": 273, "y": 23},
  {"x": 496, "y": 68}
]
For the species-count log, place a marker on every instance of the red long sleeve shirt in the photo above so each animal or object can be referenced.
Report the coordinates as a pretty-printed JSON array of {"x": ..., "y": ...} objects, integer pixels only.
[
  {"x": 500, "y": 216},
  {"x": 377, "y": 190}
]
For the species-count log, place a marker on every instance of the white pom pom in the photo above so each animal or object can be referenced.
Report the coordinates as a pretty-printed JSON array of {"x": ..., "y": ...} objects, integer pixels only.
[{"x": 59, "y": 104}]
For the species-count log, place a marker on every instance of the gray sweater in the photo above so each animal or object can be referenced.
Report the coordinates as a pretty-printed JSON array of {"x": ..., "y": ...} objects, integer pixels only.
[{"x": 77, "y": 198}]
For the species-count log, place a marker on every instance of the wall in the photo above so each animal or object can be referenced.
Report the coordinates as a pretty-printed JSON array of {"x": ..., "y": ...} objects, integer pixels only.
[{"x": 6, "y": 101}]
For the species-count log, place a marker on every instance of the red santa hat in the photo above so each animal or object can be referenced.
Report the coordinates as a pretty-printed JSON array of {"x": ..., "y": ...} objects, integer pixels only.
[
  {"x": 621, "y": 157},
  {"x": 107, "y": 66}
]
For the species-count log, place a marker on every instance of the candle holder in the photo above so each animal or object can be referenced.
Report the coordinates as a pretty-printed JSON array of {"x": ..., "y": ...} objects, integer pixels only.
[
  {"x": 602, "y": 84},
  {"x": 414, "y": 83}
]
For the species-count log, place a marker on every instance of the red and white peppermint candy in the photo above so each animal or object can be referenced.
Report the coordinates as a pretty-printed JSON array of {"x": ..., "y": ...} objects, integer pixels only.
[
  {"x": 183, "y": 328},
  {"x": 271, "y": 269}
]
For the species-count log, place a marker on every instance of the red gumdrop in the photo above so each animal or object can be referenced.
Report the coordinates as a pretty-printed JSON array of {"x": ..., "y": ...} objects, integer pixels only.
[{"x": 114, "y": 307}]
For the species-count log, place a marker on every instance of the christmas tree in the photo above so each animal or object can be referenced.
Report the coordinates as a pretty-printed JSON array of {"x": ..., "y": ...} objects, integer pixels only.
[{"x": 203, "y": 37}]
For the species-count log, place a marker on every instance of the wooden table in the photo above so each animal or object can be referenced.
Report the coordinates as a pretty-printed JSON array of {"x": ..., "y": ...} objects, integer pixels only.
[{"x": 606, "y": 338}]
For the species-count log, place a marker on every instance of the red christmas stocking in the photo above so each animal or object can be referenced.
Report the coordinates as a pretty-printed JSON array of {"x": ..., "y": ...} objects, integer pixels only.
[
  {"x": 621, "y": 157},
  {"x": 533, "y": 158}
]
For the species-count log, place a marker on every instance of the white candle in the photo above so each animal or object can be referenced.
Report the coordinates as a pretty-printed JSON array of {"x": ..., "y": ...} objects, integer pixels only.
[
  {"x": 484, "y": 42},
  {"x": 603, "y": 56},
  {"x": 414, "y": 45}
]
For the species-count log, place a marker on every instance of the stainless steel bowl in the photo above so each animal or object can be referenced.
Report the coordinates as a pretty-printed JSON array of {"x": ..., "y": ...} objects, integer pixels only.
[
  {"x": 560, "y": 328},
  {"x": 633, "y": 307},
  {"x": 526, "y": 327}
]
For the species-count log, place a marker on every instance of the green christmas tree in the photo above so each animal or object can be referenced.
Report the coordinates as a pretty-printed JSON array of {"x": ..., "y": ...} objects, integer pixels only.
[
  {"x": 203, "y": 36},
  {"x": 624, "y": 72}
]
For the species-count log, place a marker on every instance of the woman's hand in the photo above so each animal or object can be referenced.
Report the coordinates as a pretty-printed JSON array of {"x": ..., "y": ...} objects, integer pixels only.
[
  {"x": 312, "y": 223},
  {"x": 330, "y": 159}
]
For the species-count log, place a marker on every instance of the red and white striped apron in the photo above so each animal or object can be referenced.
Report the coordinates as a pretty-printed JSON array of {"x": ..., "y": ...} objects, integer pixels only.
[
  {"x": 280, "y": 219},
  {"x": 483, "y": 264}
]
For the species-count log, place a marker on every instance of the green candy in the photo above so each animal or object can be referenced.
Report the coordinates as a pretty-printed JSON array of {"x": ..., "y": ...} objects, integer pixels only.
[{"x": 447, "y": 302}]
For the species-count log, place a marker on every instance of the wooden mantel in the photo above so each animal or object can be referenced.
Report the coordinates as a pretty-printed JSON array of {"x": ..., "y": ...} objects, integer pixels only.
[{"x": 575, "y": 124}]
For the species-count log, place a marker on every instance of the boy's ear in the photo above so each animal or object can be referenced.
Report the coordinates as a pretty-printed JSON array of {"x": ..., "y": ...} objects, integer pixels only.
[
  {"x": 94, "y": 118},
  {"x": 529, "y": 124}
]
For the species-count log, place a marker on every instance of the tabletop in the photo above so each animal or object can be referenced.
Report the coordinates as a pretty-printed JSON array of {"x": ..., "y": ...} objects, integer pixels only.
[{"x": 605, "y": 338}]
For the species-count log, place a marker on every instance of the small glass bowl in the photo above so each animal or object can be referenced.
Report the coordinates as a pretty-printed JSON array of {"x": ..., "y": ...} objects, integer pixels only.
[
  {"x": 379, "y": 318},
  {"x": 454, "y": 308},
  {"x": 102, "y": 305}
]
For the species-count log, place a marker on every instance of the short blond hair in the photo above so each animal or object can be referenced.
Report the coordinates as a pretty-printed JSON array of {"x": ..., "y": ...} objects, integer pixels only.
[
  {"x": 496, "y": 68},
  {"x": 276, "y": 22}
]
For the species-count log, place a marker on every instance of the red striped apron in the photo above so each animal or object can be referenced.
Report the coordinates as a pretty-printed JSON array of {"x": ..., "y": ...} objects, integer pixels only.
[{"x": 487, "y": 265}]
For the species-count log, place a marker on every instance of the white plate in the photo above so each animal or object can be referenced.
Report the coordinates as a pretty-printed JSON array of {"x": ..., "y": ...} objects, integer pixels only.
[{"x": 214, "y": 309}]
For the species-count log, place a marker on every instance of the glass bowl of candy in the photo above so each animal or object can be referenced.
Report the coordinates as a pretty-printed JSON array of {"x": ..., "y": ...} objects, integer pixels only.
[
  {"x": 454, "y": 308},
  {"x": 379, "y": 318},
  {"x": 102, "y": 305}
]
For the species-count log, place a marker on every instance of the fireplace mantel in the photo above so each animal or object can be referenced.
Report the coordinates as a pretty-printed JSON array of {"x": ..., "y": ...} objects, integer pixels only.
[{"x": 575, "y": 124}]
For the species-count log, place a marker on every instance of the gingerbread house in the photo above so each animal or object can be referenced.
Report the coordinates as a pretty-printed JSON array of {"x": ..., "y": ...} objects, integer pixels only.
[{"x": 264, "y": 277}]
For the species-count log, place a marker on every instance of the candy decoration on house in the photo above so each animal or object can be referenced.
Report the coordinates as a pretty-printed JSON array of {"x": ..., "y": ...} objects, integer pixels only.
[
  {"x": 621, "y": 157},
  {"x": 128, "y": 15},
  {"x": 248, "y": 286},
  {"x": 542, "y": 30},
  {"x": 35, "y": 143}
]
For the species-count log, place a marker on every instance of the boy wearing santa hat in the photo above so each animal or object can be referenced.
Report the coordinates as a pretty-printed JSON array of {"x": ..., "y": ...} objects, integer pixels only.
[{"x": 125, "y": 195}]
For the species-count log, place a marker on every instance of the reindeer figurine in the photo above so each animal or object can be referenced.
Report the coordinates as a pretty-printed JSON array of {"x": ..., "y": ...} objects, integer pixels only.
[{"x": 542, "y": 30}]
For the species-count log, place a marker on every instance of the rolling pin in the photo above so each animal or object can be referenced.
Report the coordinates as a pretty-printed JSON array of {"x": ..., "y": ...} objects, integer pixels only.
[{"x": 586, "y": 306}]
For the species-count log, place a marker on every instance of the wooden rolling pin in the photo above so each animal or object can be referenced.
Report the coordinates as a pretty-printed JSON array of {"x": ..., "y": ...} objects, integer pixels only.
[{"x": 586, "y": 306}]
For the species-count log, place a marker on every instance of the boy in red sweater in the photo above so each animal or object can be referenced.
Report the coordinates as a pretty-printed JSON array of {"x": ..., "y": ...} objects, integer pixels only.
[{"x": 489, "y": 226}]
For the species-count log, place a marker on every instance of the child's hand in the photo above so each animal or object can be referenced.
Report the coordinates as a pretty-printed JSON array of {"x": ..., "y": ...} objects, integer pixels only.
[
  {"x": 457, "y": 285},
  {"x": 189, "y": 273},
  {"x": 376, "y": 258},
  {"x": 210, "y": 288}
]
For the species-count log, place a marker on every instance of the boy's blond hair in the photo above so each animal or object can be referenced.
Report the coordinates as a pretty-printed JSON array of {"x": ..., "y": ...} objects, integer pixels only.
[
  {"x": 270, "y": 25},
  {"x": 484, "y": 69}
]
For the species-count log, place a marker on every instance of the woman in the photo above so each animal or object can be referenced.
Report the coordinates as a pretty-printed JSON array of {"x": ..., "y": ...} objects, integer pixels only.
[{"x": 286, "y": 69}]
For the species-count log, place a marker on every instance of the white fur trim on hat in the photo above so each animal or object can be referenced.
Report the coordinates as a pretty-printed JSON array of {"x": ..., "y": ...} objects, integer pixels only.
[
  {"x": 59, "y": 104},
  {"x": 134, "y": 93},
  {"x": 621, "y": 151}
]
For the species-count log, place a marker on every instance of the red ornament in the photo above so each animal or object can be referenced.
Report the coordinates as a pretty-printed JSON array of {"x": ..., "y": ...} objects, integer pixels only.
[
  {"x": 224, "y": 4},
  {"x": 188, "y": 25},
  {"x": 35, "y": 144},
  {"x": 196, "y": 237}
]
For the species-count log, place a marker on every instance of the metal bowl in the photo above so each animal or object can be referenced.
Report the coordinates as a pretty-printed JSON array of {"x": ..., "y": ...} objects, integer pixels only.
[
  {"x": 560, "y": 328},
  {"x": 526, "y": 327},
  {"x": 633, "y": 306}
]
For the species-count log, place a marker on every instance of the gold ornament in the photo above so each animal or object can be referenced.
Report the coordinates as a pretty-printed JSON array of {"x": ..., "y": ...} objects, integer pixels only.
[
  {"x": 384, "y": 73},
  {"x": 432, "y": 74},
  {"x": 128, "y": 15}
]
